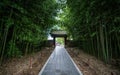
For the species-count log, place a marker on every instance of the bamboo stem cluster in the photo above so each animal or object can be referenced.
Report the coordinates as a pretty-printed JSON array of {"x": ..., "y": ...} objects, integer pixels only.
[{"x": 95, "y": 24}]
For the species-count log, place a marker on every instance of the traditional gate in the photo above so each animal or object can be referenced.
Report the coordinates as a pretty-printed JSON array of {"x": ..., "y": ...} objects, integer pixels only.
[{"x": 59, "y": 33}]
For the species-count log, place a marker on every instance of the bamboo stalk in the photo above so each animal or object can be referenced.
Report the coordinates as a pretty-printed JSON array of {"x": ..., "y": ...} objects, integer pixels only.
[
  {"x": 5, "y": 38},
  {"x": 111, "y": 47},
  {"x": 98, "y": 46},
  {"x": 1, "y": 37},
  {"x": 102, "y": 42},
  {"x": 3, "y": 48},
  {"x": 106, "y": 42},
  {"x": 118, "y": 43},
  {"x": 26, "y": 51}
]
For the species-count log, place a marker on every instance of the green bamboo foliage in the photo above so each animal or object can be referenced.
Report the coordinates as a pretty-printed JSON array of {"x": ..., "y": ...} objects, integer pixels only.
[
  {"x": 97, "y": 24},
  {"x": 24, "y": 25}
]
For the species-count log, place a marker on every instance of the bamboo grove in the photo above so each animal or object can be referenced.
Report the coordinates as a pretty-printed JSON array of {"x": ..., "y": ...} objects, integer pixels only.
[
  {"x": 24, "y": 25},
  {"x": 95, "y": 25}
]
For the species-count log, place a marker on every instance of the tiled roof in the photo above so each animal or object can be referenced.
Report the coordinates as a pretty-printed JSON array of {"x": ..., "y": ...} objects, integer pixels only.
[{"x": 59, "y": 32}]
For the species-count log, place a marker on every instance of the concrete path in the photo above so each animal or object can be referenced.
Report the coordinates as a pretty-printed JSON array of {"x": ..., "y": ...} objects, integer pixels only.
[{"x": 60, "y": 63}]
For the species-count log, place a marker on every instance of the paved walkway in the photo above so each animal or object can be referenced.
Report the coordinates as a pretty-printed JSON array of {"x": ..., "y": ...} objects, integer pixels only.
[{"x": 60, "y": 63}]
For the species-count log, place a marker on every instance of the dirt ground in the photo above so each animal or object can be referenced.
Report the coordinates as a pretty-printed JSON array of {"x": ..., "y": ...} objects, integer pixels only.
[
  {"x": 32, "y": 64},
  {"x": 89, "y": 65},
  {"x": 22, "y": 66}
]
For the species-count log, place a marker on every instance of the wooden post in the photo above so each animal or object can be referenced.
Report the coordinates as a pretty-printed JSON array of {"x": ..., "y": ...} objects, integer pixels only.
[
  {"x": 54, "y": 41},
  {"x": 30, "y": 62},
  {"x": 65, "y": 40}
]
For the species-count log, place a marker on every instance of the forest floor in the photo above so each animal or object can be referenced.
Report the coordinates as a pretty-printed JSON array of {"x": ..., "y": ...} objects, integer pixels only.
[
  {"x": 88, "y": 64},
  {"x": 22, "y": 65}
]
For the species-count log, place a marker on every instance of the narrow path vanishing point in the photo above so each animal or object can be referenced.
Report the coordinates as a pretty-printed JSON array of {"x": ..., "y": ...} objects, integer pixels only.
[{"x": 60, "y": 63}]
